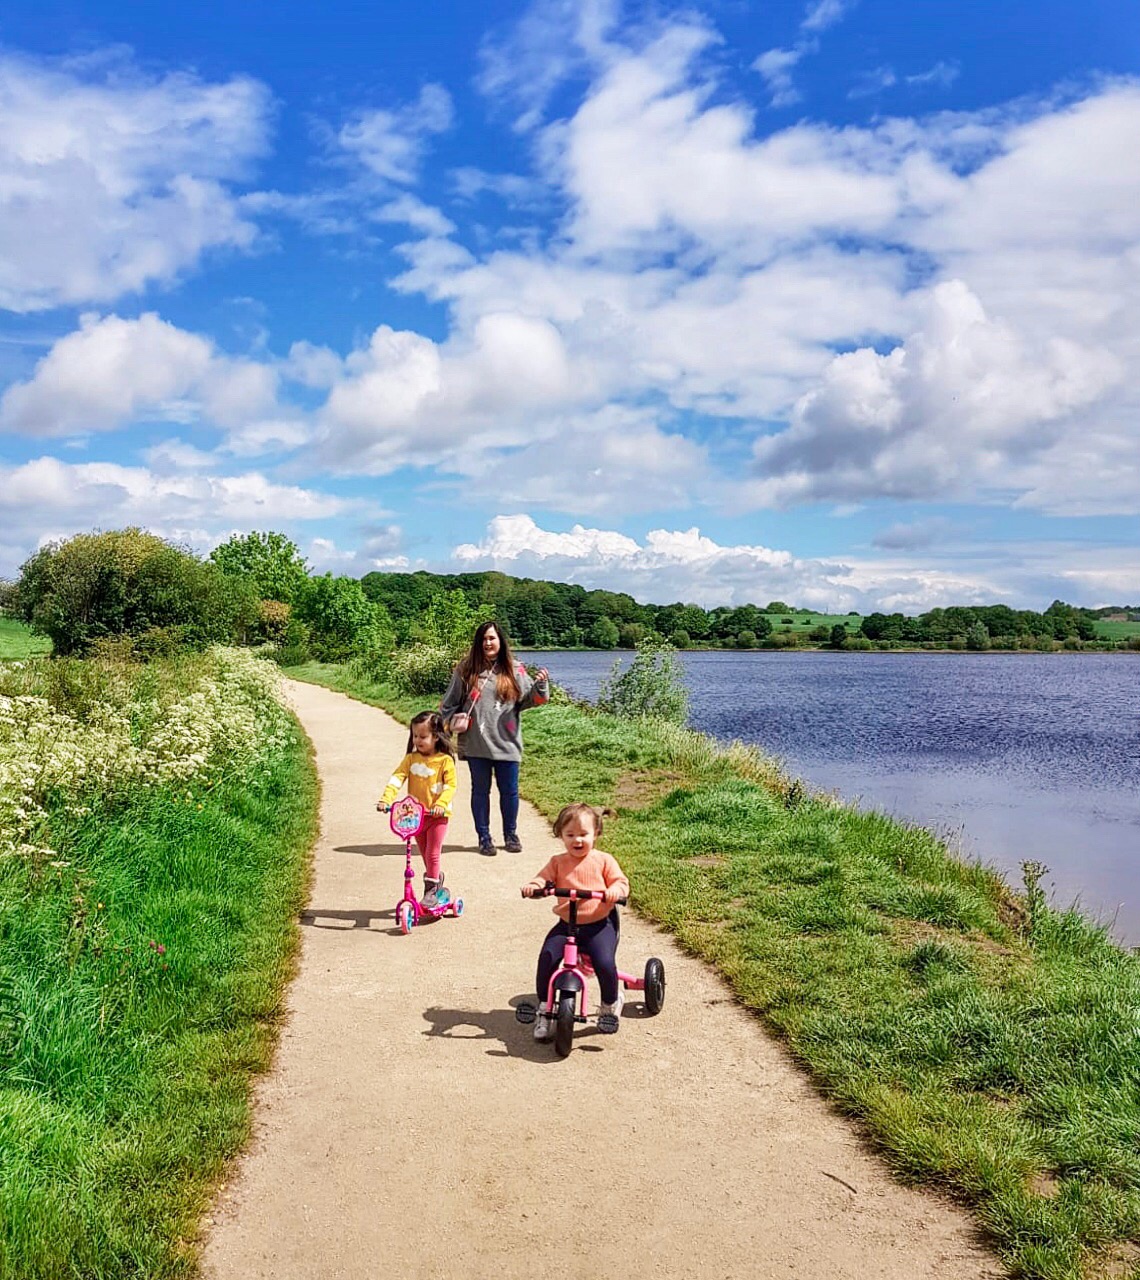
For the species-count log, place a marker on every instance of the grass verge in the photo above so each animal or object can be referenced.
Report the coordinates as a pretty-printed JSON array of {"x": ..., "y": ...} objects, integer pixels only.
[
  {"x": 989, "y": 1045},
  {"x": 141, "y": 973}
]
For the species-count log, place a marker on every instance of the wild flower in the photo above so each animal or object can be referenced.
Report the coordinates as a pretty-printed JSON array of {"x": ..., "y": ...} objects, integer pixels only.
[{"x": 76, "y": 733}]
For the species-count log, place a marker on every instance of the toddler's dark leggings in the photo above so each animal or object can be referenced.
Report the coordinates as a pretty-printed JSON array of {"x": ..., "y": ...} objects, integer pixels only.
[{"x": 598, "y": 940}]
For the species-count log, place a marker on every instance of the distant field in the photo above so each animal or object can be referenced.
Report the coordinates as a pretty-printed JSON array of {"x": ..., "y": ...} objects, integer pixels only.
[
  {"x": 1117, "y": 630},
  {"x": 16, "y": 641},
  {"x": 806, "y": 621}
]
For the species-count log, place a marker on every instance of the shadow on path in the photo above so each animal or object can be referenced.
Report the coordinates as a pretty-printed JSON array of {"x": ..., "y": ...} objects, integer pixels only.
[{"x": 517, "y": 1038}]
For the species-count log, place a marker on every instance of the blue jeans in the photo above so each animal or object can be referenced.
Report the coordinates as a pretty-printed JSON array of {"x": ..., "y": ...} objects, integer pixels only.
[{"x": 507, "y": 780}]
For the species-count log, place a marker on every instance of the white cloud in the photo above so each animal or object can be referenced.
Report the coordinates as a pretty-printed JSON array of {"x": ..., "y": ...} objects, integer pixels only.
[
  {"x": 414, "y": 213},
  {"x": 776, "y": 67},
  {"x": 111, "y": 180},
  {"x": 961, "y": 406},
  {"x": 523, "y": 65},
  {"x": 111, "y": 371},
  {"x": 47, "y": 498},
  {"x": 942, "y": 74},
  {"x": 672, "y": 565},
  {"x": 822, "y": 14},
  {"x": 391, "y": 144}
]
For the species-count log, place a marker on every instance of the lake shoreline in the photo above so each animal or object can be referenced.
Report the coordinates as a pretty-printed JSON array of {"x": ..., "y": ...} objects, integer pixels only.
[{"x": 984, "y": 1041}]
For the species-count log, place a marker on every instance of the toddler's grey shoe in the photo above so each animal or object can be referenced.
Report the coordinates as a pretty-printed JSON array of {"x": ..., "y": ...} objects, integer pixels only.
[
  {"x": 542, "y": 1029},
  {"x": 614, "y": 1010}
]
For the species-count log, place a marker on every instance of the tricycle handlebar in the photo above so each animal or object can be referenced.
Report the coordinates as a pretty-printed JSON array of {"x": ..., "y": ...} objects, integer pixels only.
[{"x": 549, "y": 890}]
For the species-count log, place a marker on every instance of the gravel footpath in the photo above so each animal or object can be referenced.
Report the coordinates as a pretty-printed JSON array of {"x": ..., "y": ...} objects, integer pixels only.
[{"x": 411, "y": 1126}]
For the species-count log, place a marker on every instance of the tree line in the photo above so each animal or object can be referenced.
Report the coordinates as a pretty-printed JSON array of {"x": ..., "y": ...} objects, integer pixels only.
[{"x": 95, "y": 589}]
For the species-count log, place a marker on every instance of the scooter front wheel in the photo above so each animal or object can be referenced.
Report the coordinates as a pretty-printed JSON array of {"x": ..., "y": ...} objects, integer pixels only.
[
  {"x": 405, "y": 917},
  {"x": 564, "y": 1024}
]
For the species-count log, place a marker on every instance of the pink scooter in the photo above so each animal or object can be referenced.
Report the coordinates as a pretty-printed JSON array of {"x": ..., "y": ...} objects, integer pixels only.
[
  {"x": 568, "y": 983},
  {"x": 406, "y": 817}
]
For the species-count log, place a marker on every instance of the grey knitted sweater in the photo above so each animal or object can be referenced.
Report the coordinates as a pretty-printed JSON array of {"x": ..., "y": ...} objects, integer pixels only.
[{"x": 495, "y": 732}]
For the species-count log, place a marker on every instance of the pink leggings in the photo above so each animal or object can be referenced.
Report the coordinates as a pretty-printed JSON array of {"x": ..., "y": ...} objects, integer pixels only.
[{"x": 430, "y": 841}]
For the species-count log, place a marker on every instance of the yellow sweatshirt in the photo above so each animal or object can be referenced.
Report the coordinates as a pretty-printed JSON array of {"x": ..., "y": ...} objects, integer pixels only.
[{"x": 431, "y": 779}]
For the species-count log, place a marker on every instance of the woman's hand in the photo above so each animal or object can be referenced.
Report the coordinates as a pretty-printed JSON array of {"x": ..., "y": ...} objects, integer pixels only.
[{"x": 542, "y": 674}]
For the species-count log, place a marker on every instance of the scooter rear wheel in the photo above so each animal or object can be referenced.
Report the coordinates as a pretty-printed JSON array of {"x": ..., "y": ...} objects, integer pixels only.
[{"x": 564, "y": 1024}]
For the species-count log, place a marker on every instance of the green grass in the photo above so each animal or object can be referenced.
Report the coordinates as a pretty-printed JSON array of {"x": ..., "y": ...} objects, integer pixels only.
[
  {"x": 988, "y": 1054},
  {"x": 18, "y": 642},
  {"x": 1116, "y": 630},
  {"x": 125, "y": 1069}
]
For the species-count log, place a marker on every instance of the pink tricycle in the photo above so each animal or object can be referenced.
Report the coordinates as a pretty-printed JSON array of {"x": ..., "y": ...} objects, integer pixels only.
[
  {"x": 565, "y": 1002},
  {"x": 406, "y": 817}
]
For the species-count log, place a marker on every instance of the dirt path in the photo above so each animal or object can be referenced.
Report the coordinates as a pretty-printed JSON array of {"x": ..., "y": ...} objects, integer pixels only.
[{"x": 412, "y": 1127}]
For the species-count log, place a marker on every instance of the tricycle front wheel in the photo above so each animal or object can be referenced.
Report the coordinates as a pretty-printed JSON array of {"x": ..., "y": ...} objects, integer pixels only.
[{"x": 564, "y": 1024}]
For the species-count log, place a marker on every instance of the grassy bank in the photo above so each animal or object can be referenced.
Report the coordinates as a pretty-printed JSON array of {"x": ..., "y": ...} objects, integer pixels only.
[
  {"x": 17, "y": 641},
  {"x": 147, "y": 928},
  {"x": 988, "y": 1045}
]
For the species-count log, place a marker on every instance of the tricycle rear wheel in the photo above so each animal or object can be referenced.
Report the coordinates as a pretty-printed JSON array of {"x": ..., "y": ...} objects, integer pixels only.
[{"x": 654, "y": 986}]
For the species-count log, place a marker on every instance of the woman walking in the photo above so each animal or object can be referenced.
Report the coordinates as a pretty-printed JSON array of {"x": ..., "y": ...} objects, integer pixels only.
[{"x": 482, "y": 707}]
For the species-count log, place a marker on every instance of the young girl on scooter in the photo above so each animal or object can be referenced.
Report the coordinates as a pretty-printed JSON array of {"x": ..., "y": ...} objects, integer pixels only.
[
  {"x": 429, "y": 768},
  {"x": 581, "y": 866}
]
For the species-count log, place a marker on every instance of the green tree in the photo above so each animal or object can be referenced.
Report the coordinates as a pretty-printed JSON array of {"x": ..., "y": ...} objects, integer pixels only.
[
  {"x": 449, "y": 621},
  {"x": 838, "y": 636},
  {"x": 603, "y": 634},
  {"x": 680, "y": 639},
  {"x": 270, "y": 560},
  {"x": 336, "y": 611}
]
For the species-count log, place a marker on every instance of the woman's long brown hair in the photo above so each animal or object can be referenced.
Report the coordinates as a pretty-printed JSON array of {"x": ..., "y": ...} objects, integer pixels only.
[{"x": 472, "y": 663}]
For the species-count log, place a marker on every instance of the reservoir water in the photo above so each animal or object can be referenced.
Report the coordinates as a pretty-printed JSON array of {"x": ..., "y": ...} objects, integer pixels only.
[{"x": 1011, "y": 757}]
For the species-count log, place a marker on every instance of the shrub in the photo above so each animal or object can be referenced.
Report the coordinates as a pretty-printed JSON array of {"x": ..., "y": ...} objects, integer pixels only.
[
  {"x": 421, "y": 669},
  {"x": 857, "y": 642},
  {"x": 653, "y": 685},
  {"x": 746, "y": 640},
  {"x": 294, "y": 650},
  {"x": 123, "y": 582}
]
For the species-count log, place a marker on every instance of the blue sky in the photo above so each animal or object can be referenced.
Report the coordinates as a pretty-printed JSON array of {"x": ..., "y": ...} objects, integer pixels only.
[{"x": 835, "y": 301}]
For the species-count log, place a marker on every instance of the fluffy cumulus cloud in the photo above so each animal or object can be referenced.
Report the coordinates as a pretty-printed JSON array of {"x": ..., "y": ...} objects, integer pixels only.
[
  {"x": 113, "y": 371},
  {"x": 977, "y": 274},
  {"x": 965, "y": 404},
  {"x": 111, "y": 180},
  {"x": 685, "y": 565},
  {"x": 47, "y": 498},
  {"x": 669, "y": 565}
]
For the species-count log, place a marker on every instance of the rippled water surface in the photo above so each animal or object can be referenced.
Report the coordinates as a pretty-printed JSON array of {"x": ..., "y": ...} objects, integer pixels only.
[{"x": 1016, "y": 756}]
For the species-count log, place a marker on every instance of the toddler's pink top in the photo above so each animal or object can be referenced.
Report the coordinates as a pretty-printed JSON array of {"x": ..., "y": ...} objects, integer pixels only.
[{"x": 592, "y": 870}]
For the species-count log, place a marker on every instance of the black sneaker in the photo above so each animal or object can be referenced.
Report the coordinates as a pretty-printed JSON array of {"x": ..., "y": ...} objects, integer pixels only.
[
  {"x": 486, "y": 848},
  {"x": 512, "y": 844}
]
